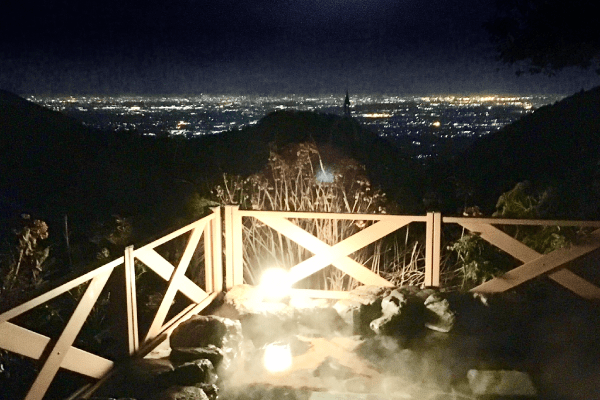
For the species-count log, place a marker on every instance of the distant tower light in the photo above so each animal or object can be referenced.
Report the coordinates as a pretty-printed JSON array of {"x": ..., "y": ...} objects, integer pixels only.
[{"x": 347, "y": 105}]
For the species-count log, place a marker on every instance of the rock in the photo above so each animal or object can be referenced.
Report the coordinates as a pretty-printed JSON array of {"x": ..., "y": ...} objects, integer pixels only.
[
  {"x": 210, "y": 389},
  {"x": 189, "y": 374},
  {"x": 185, "y": 354},
  {"x": 402, "y": 315},
  {"x": 203, "y": 331},
  {"x": 500, "y": 383},
  {"x": 439, "y": 317},
  {"x": 362, "y": 306},
  {"x": 330, "y": 367},
  {"x": 393, "y": 302},
  {"x": 137, "y": 379},
  {"x": 181, "y": 393}
]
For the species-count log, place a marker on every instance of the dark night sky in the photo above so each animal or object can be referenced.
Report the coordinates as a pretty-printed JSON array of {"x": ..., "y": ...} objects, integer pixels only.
[{"x": 396, "y": 47}]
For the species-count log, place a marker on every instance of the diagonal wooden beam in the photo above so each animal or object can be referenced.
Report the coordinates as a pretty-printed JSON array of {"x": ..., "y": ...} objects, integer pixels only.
[
  {"x": 343, "y": 249},
  {"x": 542, "y": 265},
  {"x": 64, "y": 342},
  {"x": 317, "y": 246},
  {"x": 165, "y": 269},
  {"x": 576, "y": 284},
  {"x": 503, "y": 241},
  {"x": 31, "y": 344},
  {"x": 175, "y": 283},
  {"x": 49, "y": 295}
]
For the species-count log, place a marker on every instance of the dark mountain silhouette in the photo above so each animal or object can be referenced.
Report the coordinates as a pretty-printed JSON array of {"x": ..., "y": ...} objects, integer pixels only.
[
  {"x": 41, "y": 151},
  {"x": 557, "y": 146}
]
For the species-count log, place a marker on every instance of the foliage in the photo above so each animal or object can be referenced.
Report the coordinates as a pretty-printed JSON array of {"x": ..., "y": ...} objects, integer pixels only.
[
  {"x": 478, "y": 261},
  {"x": 522, "y": 203},
  {"x": 24, "y": 265},
  {"x": 303, "y": 177},
  {"x": 546, "y": 35}
]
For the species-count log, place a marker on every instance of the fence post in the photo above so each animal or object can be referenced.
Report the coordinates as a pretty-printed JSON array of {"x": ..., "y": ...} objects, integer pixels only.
[
  {"x": 131, "y": 301},
  {"x": 213, "y": 257},
  {"x": 234, "y": 256},
  {"x": 432, "y": 249}
]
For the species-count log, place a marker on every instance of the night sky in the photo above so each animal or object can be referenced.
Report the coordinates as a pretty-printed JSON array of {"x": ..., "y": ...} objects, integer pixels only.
[{"x": 285, "y": 47}]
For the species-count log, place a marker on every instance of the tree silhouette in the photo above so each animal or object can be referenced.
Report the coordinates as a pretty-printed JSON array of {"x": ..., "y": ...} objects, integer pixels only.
[{"x": 545, "y": 36}]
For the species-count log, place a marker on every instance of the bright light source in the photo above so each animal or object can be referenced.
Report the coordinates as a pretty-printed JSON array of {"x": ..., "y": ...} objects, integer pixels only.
[
  {"x": 278, "y": 357},
  {"x": 275, "y": 283}
]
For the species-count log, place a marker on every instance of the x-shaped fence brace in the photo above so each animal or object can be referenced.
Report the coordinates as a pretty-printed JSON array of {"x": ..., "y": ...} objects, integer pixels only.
[
  {"x": 553, "y": 265},
  {"x": 61, "y": 353}
]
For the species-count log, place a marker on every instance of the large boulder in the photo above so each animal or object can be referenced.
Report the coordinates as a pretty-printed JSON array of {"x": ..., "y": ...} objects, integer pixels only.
[
  {"x": 205, "y": 333},
  {"x": 189, "y": 374},
  {"x": 185, "y": 354},
  {"x": 402, "y": 315},
  {"x": 362, "y": 306},
  {"x": 438, "y": 315}
]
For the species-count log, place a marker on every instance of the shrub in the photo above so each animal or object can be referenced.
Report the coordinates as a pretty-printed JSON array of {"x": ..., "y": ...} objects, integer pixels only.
[{"x": 303, "y": 177}]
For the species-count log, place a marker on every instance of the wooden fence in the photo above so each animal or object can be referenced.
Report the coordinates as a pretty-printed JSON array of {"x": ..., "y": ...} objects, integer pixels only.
[{"x": 60, "y": 352}]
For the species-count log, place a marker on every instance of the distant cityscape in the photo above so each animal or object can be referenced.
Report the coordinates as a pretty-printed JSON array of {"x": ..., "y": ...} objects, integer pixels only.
[{"x": 428, "y": 125}]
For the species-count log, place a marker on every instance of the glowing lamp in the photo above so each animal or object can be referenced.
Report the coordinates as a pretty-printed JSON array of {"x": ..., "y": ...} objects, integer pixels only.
[
  {"x": 278, "y": 357},
  {"x": 275, "y": 283}
]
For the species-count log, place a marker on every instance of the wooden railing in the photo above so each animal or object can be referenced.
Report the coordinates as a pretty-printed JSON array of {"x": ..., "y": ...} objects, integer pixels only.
[
  {"x": 554, "y": 265},
  {"x": 60, "y": 352}
]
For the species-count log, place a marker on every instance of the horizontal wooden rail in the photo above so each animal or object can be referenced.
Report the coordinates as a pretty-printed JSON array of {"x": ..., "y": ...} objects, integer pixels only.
[
  {"x": 508, "y": 221},
  {"x": 323, "y": 215},
  {"x": 55, "y": 353}
]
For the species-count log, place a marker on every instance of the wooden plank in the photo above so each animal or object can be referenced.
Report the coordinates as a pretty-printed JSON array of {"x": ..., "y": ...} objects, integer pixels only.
[
  {"x": 508, "y": 221},
  {"x": 31, "y": 344},
  {"x": 209, "y": 268},
  {"x": 436, "y": 249},
  {"x": 541, "y": 265},
  {"x": 432, "y": 249},
  {"x": 175, "y": 283},
  {"x": 169, "y": 327},
  {"x": 323, "y": 215},
  {"x": 238, "y": 247},
  {"x": 197, "y": 224},
  {"x": 229, "y": 246},
  {"x": 65, "y": 341},
  {"x": 49, "y": 295},
  {"x": 315, "y": 245},
  {"x": 343, "y": 249},
  {"x": 131, "y": 301},
  {"x": 217, "y": 252},
  {"x": 503, "y": 241},
  {"x": 576, "y": 284},
  {"x": 165, "y": 269}
]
